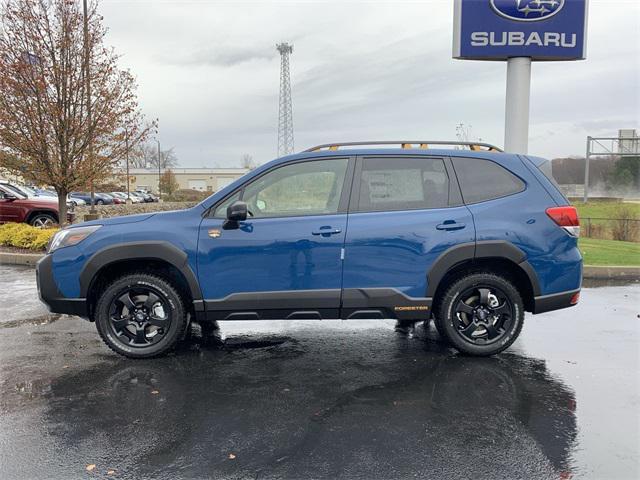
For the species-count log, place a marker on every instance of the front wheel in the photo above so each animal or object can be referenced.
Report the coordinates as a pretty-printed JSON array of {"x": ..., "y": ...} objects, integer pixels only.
[
  {"x": 481, "y": 314},
  {"x": 140, "y": 316}
]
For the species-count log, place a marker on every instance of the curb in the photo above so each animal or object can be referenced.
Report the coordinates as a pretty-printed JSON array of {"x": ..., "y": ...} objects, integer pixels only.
[
  {"x": 593, "y": 272},
  {"x": 8, "y": 258}
]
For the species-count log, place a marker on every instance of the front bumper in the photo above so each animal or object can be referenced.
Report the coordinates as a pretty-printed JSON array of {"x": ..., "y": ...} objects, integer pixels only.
[
  {"x": 51, "y": 296},
  {"x": 555, "y": 301}
]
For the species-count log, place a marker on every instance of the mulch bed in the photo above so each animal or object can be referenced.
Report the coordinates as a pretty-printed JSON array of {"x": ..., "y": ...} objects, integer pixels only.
[{"x": 4, "y": 249}]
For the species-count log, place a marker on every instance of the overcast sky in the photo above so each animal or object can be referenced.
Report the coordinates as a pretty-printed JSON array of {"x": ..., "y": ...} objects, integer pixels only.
[{"x": 209, "y": 71}]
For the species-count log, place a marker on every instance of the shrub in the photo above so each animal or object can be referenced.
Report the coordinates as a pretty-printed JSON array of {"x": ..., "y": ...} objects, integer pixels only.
[
  {"x": 187, "y": 195},
  {"x": 21, "y": 235},
  {"x": 625, "y": 225}
]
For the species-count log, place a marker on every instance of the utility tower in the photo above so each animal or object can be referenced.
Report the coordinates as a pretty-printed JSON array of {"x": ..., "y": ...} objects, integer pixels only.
[{"x": 285, "y": 112}]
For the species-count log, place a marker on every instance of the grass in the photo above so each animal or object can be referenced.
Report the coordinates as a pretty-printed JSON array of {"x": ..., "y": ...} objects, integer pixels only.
[
  {"x": 596, "y": 209},
  {"x": 609, "y": 252}
]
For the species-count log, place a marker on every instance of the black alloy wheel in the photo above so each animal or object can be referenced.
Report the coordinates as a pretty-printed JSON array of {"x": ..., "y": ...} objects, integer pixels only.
[
  {"x": 480, "y": 314},
  {"x": 483, "y": 314},
  {"x": 141, "y": 315},
  {"x": 138, "y": 316}
]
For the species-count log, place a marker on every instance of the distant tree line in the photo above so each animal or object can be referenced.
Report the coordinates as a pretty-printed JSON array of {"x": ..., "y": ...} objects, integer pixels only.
[{"x": 617, "y": 175}]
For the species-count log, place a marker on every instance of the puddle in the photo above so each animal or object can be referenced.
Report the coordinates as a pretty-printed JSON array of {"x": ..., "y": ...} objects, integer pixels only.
[
  {"x": 38, "y": 320},
  {"x": 245, "y": 344}
]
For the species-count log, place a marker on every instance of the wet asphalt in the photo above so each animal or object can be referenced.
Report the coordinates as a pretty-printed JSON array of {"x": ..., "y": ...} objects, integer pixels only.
[{"x": 322, "y": 399}]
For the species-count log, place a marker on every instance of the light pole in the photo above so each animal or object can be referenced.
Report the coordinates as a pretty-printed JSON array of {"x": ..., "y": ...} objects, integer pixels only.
[
  {"x": 126, "y": 146},
  {"x": 88, "y": 88},
  {"x": 159, "y": 160}
]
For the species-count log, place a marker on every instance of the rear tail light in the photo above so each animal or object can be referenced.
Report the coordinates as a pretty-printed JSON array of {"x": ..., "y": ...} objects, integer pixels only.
[
  {"x": 575, "y": 298},
  {"x": 567, "y": 218}
]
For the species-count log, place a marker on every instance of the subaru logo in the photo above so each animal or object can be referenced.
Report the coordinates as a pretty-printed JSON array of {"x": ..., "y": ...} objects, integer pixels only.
[{"x": 527, "y": 10}]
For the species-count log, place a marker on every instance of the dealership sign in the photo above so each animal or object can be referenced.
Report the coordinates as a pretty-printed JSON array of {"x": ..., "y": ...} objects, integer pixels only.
[{"x": 538, "y": 29}]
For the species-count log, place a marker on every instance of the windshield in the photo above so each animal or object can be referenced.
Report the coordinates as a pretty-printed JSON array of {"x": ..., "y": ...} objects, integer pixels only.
[{"x": 20, "y": 190}]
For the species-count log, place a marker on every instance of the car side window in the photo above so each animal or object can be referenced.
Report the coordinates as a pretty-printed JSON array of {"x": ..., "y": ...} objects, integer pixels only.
[
  {"x": 298, "y": 189},
  {"x": 482, "y": 180},
  {"x": 393, "y": 183},
  {"x": 221, "y": 209}
]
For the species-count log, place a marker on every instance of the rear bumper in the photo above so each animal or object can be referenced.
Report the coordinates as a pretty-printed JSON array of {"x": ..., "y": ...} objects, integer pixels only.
[
  {"x": 51, "y": 296},
  {"x": 555, "y": 301}
]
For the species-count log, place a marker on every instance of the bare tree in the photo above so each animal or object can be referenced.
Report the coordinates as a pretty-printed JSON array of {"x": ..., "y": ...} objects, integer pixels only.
[
  {"x": 45, "y": 132},
  {"x": 146, "y": 156},
  {"x": 246, "y": 161}
]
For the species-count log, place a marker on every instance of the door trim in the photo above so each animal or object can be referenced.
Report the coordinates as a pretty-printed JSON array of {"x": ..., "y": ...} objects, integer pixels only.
[{"x": 357, "y": 303}]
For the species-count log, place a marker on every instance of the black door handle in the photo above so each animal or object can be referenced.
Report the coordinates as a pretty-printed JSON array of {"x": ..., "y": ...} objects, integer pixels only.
[
  {"x": 450, "y": 225},
  {"x": 326, "y": 231}
]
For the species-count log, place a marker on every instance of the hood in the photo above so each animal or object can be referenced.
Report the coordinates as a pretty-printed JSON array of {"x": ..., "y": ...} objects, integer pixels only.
[
  {"x": 40, "y": 202},
  {"x": 45, "y": 199},
  {"x": 118, "y": 220}
]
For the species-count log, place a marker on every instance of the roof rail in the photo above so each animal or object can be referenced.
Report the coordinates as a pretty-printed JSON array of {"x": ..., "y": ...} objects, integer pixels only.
[{"x": 422, "y": 144}]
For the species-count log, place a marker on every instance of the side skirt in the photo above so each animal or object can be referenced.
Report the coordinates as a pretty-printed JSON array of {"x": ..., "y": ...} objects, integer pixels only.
[{"x": 357, "y": 303}]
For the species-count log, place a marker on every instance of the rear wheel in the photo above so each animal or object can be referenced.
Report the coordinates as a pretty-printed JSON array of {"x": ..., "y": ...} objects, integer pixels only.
[
  {"x": 481, "y": 314},
  {"x": 140, "y": 316}
]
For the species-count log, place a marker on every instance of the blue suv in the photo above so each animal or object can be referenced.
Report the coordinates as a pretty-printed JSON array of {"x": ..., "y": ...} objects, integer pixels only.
[{"x": 470, "y": 236}]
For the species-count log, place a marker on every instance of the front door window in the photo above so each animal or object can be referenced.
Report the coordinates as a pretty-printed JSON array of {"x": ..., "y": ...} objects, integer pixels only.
[{"x": 300, "y": 189}]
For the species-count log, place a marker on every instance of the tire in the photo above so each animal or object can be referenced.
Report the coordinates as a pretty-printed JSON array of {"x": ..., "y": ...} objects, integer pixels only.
[
  {"x": 99, "y": 202},
  {"x": 480, "y": 314},
  {"x": 43, "y": 220},
  {"x": 141, "y": 316},
  {"x": 436, "y": 324}
]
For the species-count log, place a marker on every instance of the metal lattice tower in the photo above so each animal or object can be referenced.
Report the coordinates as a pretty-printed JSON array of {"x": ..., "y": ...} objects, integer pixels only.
[{"x": 285, "y": 112}]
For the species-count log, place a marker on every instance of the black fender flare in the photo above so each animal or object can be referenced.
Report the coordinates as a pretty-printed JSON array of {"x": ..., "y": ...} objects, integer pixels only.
[
  {"x": 146, "y": 250},
  {"x": 473, "y": 251}
]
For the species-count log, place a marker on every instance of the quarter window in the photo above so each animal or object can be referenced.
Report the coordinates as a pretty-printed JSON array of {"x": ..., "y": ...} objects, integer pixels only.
[
  {"x": 482, "y": 180},
  {"x": 403, "y": 184}
]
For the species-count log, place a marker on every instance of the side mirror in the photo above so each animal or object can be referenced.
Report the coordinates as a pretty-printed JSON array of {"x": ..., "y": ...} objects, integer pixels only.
[
  {"x": 10, "y": 197},
  {"x": 237, "y": 212}
]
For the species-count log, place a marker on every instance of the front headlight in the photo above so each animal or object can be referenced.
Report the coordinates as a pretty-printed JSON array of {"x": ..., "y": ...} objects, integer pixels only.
[{"x": 70, "y": 236}]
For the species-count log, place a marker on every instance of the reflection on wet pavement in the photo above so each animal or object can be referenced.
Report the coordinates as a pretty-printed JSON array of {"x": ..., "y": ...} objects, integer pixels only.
[
  {"x": 19, "y": 297},
  {"x": 328, "y": 400}
]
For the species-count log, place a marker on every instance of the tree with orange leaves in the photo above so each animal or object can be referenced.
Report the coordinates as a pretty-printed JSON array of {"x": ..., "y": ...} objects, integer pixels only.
[{"x": 46, "y": 133}]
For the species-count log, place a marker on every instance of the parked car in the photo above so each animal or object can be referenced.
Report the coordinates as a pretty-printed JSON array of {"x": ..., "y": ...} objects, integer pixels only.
[
  {"x": 144, "y": 197},
  {"x": 114, "y": 199},
  {"x": 31, "y": 193},
  {"x": 131, "y": 197},
  {"x": 100, "y": 199},
  {"x": 76, "y": 202},
  {"x": 17, "y": 206},
  {"x": 120, "y": 196},
  {"x": 147, "y": 196},
  {"x": 471, "y": 238}
]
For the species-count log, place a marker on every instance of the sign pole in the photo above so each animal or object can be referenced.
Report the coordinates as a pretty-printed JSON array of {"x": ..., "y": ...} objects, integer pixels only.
[
  {"x": 516, "y": 121},
  {"x": 586, "y": 171},
  {"x": 519, "y": 32}
]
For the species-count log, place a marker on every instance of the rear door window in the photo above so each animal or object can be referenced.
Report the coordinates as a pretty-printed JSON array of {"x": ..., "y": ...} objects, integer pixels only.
[
  {"x": 482, "y": 180},
  {"x": 393, "y": 183}
]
